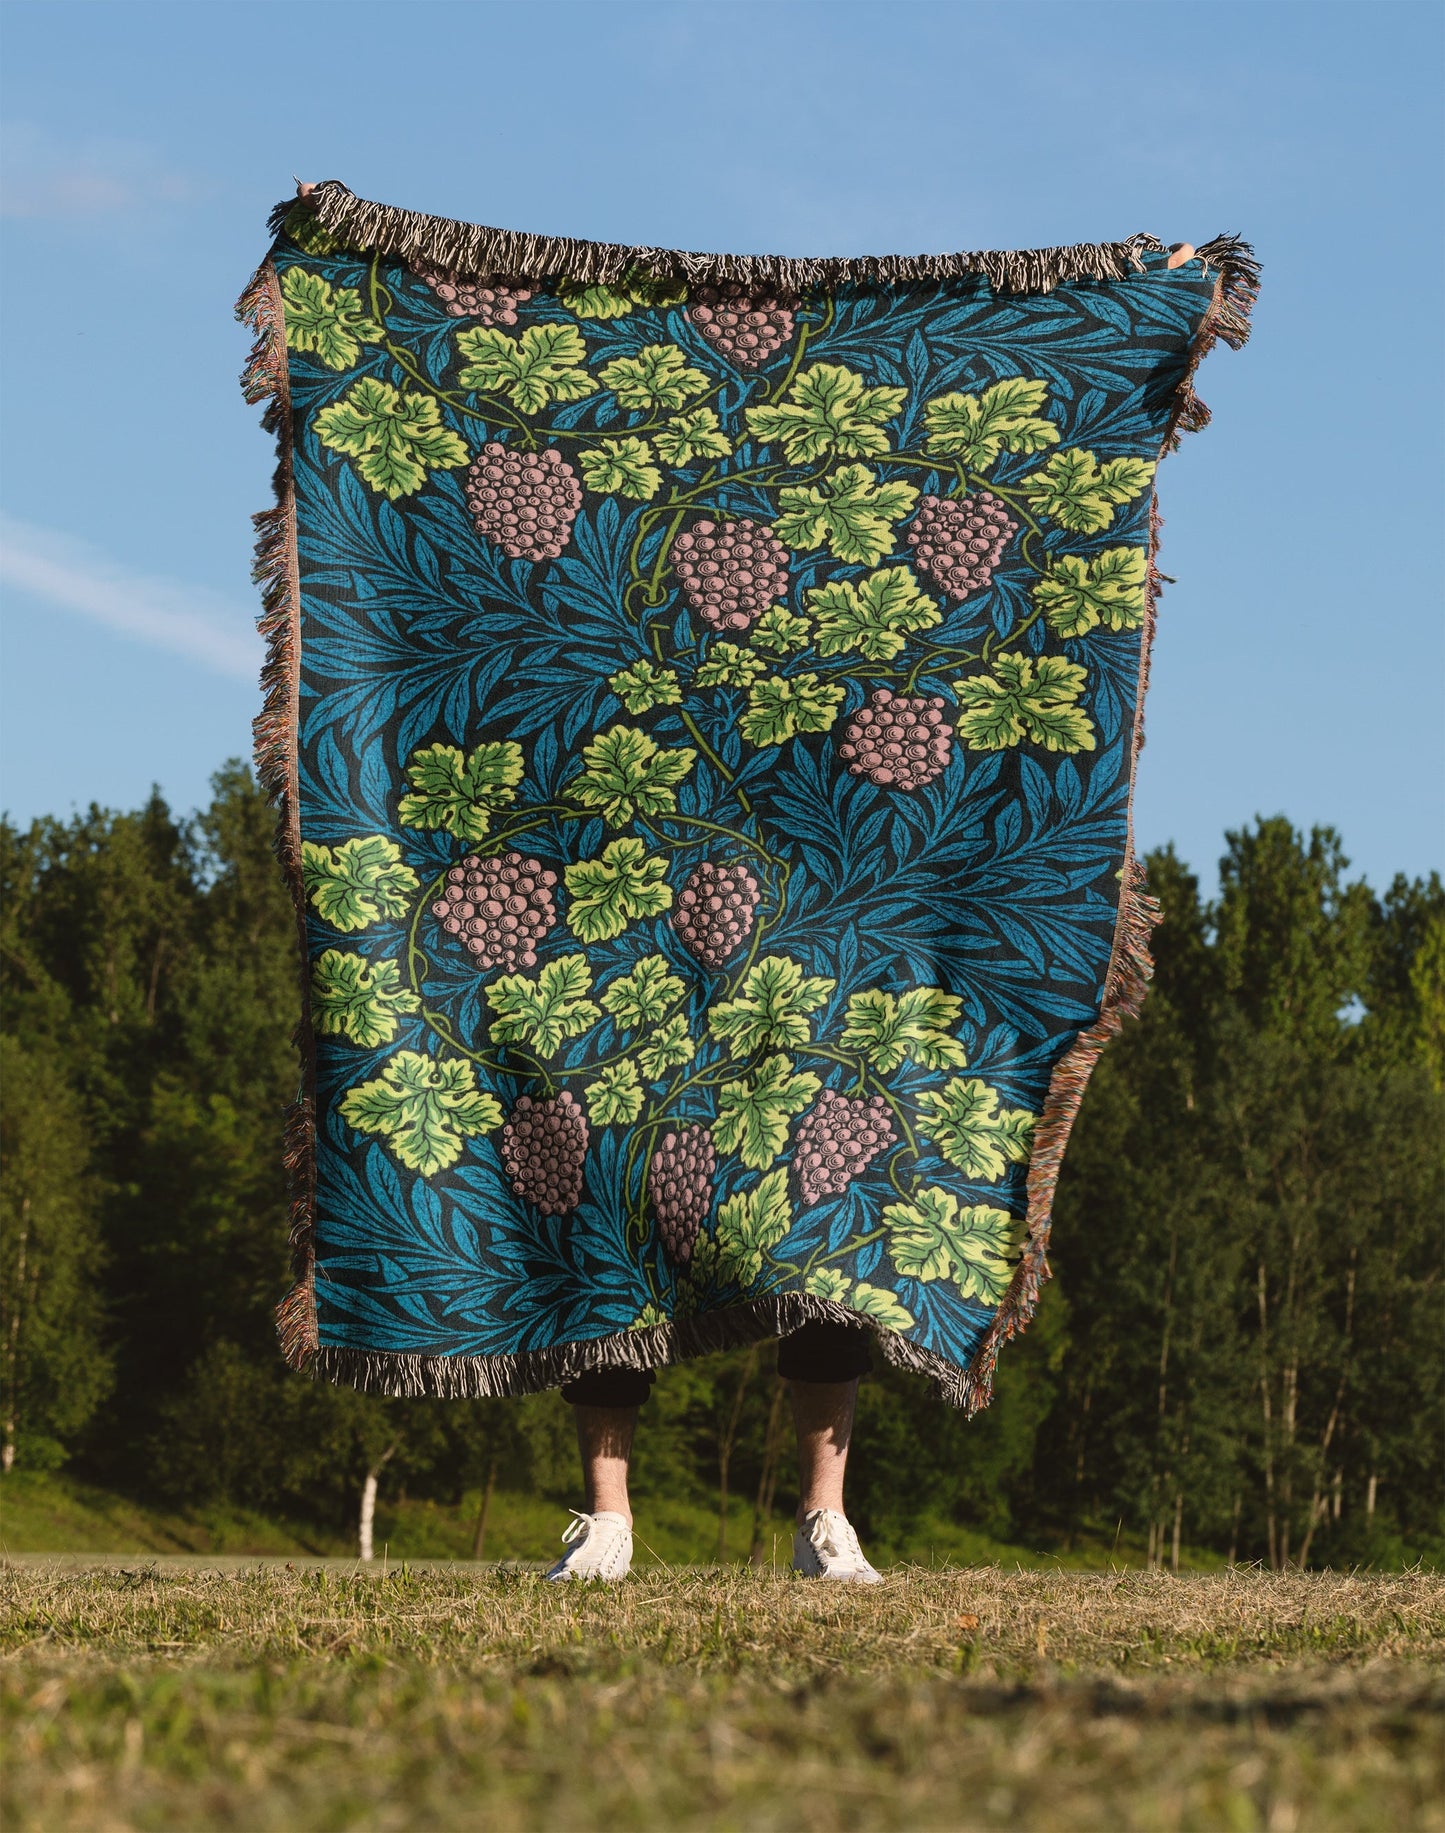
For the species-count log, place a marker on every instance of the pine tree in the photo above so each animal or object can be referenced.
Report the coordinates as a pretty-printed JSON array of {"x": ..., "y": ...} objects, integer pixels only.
[{"x": 55, "y": 1368}]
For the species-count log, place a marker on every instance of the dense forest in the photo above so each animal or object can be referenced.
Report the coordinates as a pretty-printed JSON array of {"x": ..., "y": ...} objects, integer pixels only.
[{"x": 1240, "y": 1350}]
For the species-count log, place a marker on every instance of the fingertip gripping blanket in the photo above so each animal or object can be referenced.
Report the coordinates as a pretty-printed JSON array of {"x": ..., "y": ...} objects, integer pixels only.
[{"x": 702, "y": 705}]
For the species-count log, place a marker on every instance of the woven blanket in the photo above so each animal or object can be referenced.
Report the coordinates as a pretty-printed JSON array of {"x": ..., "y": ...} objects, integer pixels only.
[{"x": 702, "y": 707}]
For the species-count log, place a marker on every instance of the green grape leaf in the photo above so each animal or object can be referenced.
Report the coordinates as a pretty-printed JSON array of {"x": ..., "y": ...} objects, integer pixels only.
[
  {"x": 872, "y": 616},
  {"x": 1028, "y": 698},
  {"x": 425, "y": 1110},
  {"x": 696, "y": 434},
  {"x": 875, "y": 1302},
  {"x": 645, "y": 995},
  {"x": 752, "y": 1115},
  {"x": 777, "y": 629},
  {"x": 916, "y": 1026},
  {"x": 359, "y": 882},
  {"x": 975, "y": 428},
  {"x": 394, "y": 438},
  {"x": 460, "y": 793},
  {"x": 828, "y": 1282},
  {"x": 1120, "y": 479},
  {"x": 356, "y": 998},
  {"x": 1075, "y": 491},
  {"x": 332, "y": 325},
  {"x": 658, "y": 375},
  {"x": 627, "y": 774},
  {"x": 636, "y": 288},
  {"x": 543, "y": 1013},
  {"x": 623, "y": 467},
  {"x": 1077, "y": 595},
  {"x": 962, "y": 1120},
  {"x": 1016, "y": 1133},
  {"x": 782, "y": 705},
  {"x": 771, "y": 1007},
  {"x": 643, "y": 685},
  {"x": 596, "y": 301},
  {"x": 604, "y": 895},
  {"x": 933, "y": 1238},
  {"x": 665, "y": 1048},
  {"x": 308, "y": 232},
  {"x": 616, "y": 1095},
  {"x": 701, "y": 1269},
  {"x": 828, "y": 409},
  {"x": 985, "y": 1253},
  {"x": 920, "y": 1240},
  {"x": 751, "y": 1223},
  {"x": 729, "y": 666},
  {"x": 649, "y": 1317},
  {"x": 850, "y": 513},
  {"x": 543, "y": 365}
]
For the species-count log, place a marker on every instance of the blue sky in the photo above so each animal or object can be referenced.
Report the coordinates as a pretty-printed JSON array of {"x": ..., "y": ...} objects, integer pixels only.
[{"x": 1298, "y": 667}]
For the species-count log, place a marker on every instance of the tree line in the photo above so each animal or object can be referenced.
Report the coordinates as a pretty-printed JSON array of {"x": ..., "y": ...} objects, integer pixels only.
[{"x": 1240, "y": 1351}]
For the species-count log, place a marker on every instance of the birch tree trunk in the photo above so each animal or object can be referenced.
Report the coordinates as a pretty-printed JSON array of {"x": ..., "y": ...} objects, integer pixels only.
[
  {"x": 1267, "y": 1437},
  {"x": 768, "y": 1480},
  {"x": 725, "y": 1451},
  {"x": 1319, "y": 1506},
  {"x": 12, "y": 1341},
  {"x": 479, "y": 1538},
  {"x": 368, "y": 1516},
  {"x": 367, "y": 1520}
]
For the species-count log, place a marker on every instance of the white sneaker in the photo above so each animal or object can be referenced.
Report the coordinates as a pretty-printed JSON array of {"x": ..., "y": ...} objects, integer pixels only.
[
  {"x": 826, "y": 1546},
  {"x": 599, "y": 1547}
]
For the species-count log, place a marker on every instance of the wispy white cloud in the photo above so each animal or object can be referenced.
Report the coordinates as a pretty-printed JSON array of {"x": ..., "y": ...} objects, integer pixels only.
[
  {"x": 187, "y": 620},
  {"x": 46, "y": 176}
]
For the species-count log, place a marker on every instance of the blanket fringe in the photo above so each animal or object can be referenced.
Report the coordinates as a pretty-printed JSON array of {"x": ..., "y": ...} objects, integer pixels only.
[
  {"x": 495, "y": 1377},
  {"x": 265, "y": 379},
  {"x": 1131, "y": 965},
  {"x": 473, "y": 249},
  {"x": 465, "y": 248},
  {"x": 1227, "y": 322}
]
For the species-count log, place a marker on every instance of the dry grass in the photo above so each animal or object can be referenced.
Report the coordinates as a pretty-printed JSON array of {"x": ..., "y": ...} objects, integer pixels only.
[{"x": 264, "y": 1698}]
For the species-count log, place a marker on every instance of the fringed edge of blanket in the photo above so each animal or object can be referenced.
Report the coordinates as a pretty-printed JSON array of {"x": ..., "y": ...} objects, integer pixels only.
[
  {"x": 1131, "y": 965},
  {"x": 489, "y": 1377},
  {"x": 1227, "y": 322},
  {"x": 463, "y": 247},
  {"x": 475, "y": 250},
  {"x": 266, "y": 379}
]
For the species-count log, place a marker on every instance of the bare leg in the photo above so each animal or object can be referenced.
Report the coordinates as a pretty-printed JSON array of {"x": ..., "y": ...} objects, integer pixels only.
[
  {"x": 823, "y": 1415},
  {"x": 604, "y": 1437}
]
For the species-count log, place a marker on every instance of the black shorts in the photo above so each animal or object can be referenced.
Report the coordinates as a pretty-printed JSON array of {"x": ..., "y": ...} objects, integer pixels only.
[{"x": 821, "y": 1351}]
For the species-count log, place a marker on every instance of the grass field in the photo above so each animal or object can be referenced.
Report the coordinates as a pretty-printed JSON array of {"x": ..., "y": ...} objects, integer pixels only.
[
  {"x": 263, "y": 1698},
  {"x": 49, "y": 1512}
]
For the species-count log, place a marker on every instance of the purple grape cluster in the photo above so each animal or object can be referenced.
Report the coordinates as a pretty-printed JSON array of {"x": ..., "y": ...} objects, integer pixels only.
[
  {"x": 715, "y": 910},
  {"x": 730, "y": 574},
  {"x": 746, "y": 327},
  {"x": 958, "y": 541},
  {"x": 524, "y": 501},
  {"x": 498, "y": 909},
  {"x": 491, "y": 300},
  {"x": 898, "y": 741},
  {"x": 679, "y": 1187},
  {"x": 544, "y": 1147},
  {"x": 837, "y": 1139}
]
